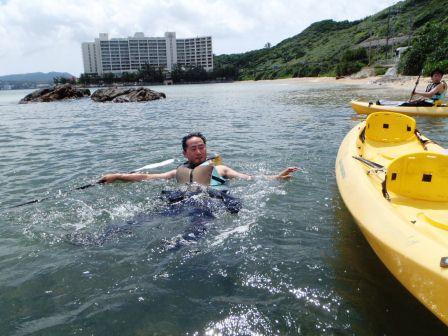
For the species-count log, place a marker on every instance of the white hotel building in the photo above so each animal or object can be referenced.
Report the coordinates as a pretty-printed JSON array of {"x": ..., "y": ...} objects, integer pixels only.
[{"x": 118, "y": 55}]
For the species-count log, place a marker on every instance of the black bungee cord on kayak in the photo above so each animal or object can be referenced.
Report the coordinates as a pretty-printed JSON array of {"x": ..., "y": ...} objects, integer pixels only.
[{"x": 378, "y": 168}]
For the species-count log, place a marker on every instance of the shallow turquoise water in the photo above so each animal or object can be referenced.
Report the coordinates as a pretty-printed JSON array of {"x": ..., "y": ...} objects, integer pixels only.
[{"x": 292, "y": 262}]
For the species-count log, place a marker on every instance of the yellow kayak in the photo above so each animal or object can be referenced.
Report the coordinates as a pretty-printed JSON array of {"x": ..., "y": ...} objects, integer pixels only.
[
  {"x": 369, "y": 107},
  {"x": 397, "y": 193}
]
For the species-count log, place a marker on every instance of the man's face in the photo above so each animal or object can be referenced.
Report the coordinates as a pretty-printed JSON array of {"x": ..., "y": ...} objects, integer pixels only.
[
  {"x": 196, "y": 151},
  {"x": 436, "y": 78}
]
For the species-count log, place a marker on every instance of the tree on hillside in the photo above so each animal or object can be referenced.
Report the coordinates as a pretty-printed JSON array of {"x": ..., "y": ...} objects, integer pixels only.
[
  {"x": 64, "y": 80},
  {"x": 352, "y": 61},
  {"x": 189, "y": 74},
  {"x": 87, "y": 79},
  {"x": 228, "y": 71},
  {"x": 109, "y": 78},
  {"x": 177, "y": 73},
  {"x": 428, "y": 51},
  {"x": 150, "y": 73},
  {"x": 196, "y": 74},
  {"x": 129, "y": 77}
]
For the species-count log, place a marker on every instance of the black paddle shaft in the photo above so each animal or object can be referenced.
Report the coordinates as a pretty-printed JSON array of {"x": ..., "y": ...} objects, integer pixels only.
[
  {"x": 416, "y": 83},
  {"x": 83, "y": 187},
  {"x": 38, "y": 200},
  {"x": 86, "y": 186}
]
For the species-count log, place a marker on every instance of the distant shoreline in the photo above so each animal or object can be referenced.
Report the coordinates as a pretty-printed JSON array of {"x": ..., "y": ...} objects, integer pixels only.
[{"x": 399, "y": 83}]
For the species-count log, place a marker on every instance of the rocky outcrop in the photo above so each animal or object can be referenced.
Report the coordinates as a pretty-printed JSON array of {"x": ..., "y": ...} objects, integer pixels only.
[
  {"x": 391, "y": 72},
  {"x": 124, "y": 95},
  {"x": 364, "y": 73},
  {"x": 57, "y": 92}
]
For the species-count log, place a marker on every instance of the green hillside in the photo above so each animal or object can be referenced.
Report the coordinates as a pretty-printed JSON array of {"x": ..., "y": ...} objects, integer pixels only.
[
  {"x": 38, "y": 77},
  {"x": 328, "y": 48}
]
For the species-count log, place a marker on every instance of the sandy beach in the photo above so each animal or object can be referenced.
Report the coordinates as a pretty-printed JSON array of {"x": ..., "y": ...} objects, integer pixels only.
[{"x": 400, "y": 82}]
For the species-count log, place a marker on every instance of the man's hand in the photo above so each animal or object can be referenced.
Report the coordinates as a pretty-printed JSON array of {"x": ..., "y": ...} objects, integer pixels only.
[
  {"x": 108, "y": 178},
  {"x": 286, "y": 174}
]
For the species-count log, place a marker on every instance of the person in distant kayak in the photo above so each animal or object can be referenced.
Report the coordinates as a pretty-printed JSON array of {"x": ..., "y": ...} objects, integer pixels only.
[
  {"x": 198, "y": 168},
  {"x": 434, "y": 93}
]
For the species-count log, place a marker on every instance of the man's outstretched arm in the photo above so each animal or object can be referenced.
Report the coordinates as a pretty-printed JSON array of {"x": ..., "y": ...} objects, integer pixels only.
[
  {"x": 134, "y": 177},
  {"x": 228, "y": 172},
  {"x": 285, "y": 174}
]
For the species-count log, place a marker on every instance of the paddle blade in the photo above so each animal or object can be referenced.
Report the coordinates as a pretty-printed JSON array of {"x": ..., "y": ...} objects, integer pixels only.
[{"x": 155, "y": 165}]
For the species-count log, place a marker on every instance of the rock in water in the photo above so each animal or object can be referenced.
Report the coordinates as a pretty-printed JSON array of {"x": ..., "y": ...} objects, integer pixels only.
[
  {"x": 124, "y": 95},
  {"x": 57, "y": 92}
]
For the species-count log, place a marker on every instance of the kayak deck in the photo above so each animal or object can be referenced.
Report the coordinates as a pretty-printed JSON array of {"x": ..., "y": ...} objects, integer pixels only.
[
  {"x": 430, "y": 218},
  {"x": 409, "y": 235}
]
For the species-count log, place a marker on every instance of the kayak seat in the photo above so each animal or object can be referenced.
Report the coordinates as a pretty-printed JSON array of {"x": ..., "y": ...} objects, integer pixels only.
[
  {"x": 421, "y": 175},
  {"x": 392, "y": 151},
  {"x": 388, "y": 102},
  {"x": 389, "y": 155},
  {"x": 389, "y": 127}
]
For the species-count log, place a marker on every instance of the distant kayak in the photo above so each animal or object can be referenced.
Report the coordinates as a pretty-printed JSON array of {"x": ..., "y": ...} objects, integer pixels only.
[
  {"x": 361, "y": 107},
  {"x": 394, "y": 182}
]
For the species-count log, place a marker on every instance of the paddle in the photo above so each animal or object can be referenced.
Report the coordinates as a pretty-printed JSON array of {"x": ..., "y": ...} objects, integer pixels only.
[
  {"x": 416, "y": 83},
  {"x": 369, "y": 163},
  {"x": 149, "y": 166},
  {"x": 377, "y": 168}
]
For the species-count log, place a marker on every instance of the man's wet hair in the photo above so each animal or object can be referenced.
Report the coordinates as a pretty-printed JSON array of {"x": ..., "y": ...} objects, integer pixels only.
[
  {"x": 439, "y": 71},
  {"x": 192, "y": 135}
]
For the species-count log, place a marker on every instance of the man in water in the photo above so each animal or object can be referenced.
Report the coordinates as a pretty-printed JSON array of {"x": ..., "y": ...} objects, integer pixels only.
[
  {"x": 434, "y": 93},
  {"x": 196, "y": 169}
]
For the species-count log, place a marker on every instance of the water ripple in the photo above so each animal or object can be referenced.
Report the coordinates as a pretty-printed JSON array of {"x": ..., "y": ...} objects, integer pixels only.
[{"x": 98, "y": 261}]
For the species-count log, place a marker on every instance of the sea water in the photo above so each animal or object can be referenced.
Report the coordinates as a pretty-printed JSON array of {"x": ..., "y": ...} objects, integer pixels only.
[{"x": 291, "y": 262}]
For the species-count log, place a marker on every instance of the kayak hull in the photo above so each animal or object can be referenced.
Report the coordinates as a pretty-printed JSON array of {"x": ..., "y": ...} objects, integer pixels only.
[
  {"x": 410, "y": 249},
  {"x": 368, "y": 108}
]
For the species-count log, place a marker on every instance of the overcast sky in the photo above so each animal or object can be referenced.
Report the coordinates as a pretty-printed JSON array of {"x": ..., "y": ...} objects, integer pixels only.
[{"x": 46, "y": 35}]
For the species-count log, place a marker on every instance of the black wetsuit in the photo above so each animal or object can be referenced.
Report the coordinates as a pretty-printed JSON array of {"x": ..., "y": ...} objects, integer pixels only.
[{"x": 199, "y": 210}]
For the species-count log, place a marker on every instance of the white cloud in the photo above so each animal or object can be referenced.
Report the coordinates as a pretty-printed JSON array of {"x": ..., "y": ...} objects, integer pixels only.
[{"x": 46, "y": 35}]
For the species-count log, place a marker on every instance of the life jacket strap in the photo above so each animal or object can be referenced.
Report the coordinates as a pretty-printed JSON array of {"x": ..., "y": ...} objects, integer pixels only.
[{"x": 218, "y": 179}]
